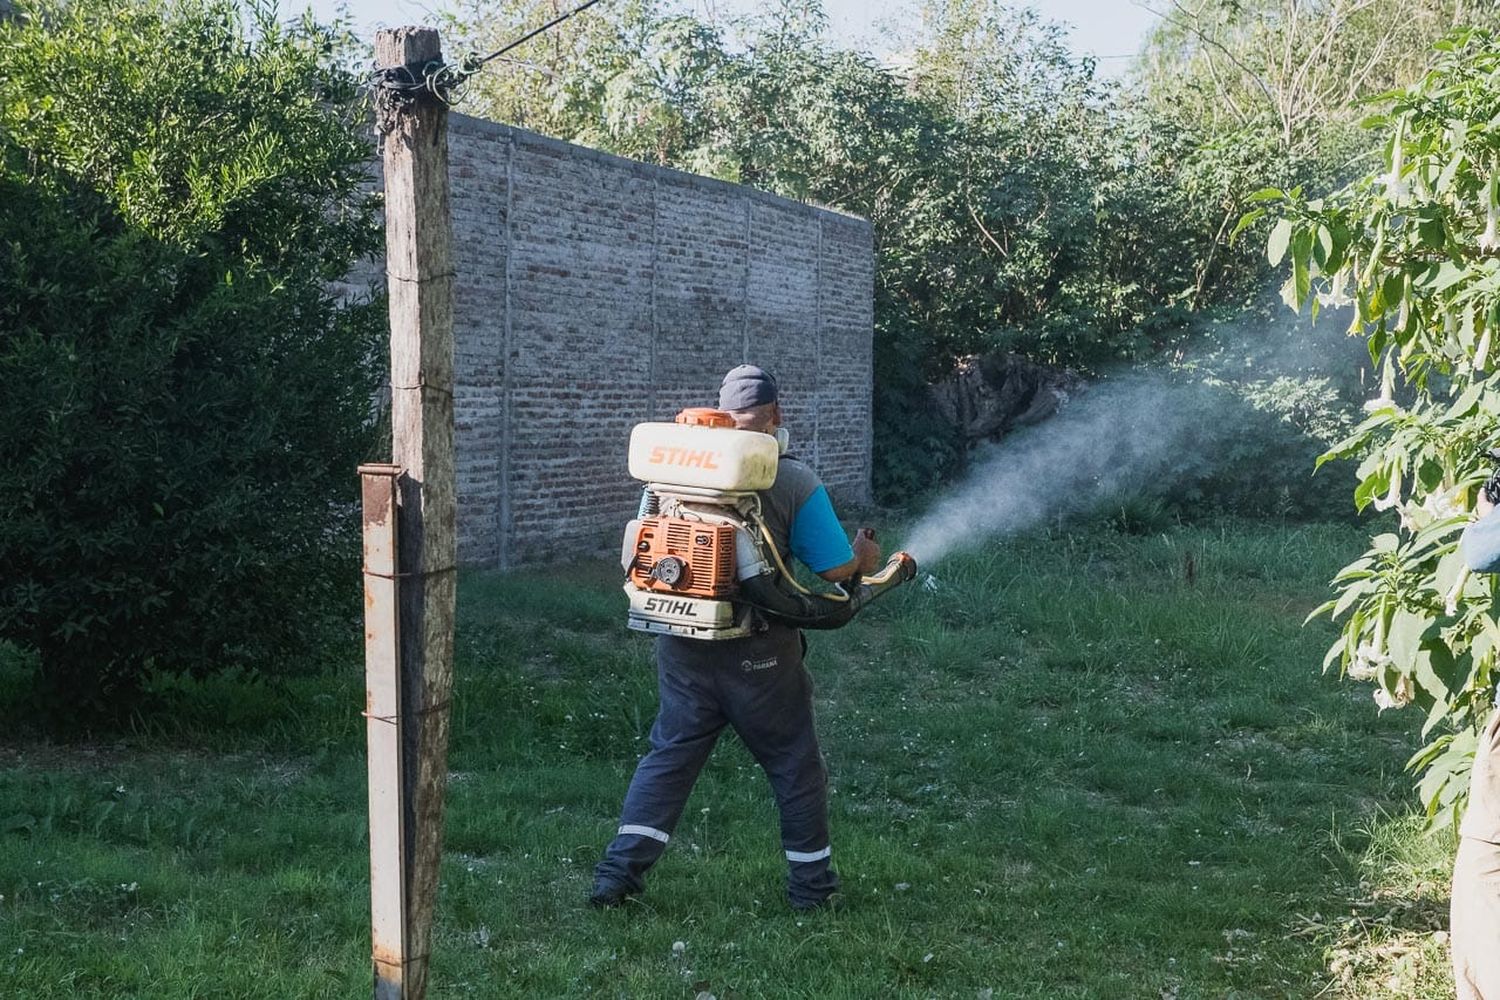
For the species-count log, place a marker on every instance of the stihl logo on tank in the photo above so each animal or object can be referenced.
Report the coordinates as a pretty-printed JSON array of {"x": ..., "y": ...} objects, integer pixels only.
[
  {"x": 684, "y": 457},
  {"x": 668, "y": 607}
]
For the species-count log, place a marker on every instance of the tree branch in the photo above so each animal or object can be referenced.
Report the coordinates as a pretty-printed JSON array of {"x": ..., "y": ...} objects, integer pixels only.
[{"x": 1186, "y": 22}]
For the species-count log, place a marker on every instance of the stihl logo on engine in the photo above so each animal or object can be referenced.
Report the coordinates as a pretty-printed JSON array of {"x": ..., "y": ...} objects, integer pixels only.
[
  {"x": 685, "y": 457},
  {"x": 667, "y": 606}
]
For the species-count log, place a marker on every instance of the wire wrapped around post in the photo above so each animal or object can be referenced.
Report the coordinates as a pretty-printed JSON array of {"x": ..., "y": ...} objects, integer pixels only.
[{"x": 397, "y": 86}]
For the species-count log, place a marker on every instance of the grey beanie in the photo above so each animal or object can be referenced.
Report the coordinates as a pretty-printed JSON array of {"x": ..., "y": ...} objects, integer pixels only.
[{"x": 745, "y": 387}]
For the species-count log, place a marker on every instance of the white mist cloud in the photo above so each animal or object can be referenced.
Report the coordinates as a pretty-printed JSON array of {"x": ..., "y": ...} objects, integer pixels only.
[
  {"x": 1151, "y": 428},
  {"x": 1117, "y": 436}
]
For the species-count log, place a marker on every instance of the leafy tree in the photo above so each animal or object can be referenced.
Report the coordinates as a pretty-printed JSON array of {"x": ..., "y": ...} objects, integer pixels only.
[
  {"x": 1413, "y": 248},
  {"x": 1294, "y": 70},
  {"x": 178, "y": 185},
  {"x": 1267, "y": 92}
]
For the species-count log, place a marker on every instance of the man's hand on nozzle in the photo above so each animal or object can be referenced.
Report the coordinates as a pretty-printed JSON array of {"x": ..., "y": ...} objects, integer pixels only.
[
  {"x": 1482, "y": 506},
  {"x": 866, "y": 551}
]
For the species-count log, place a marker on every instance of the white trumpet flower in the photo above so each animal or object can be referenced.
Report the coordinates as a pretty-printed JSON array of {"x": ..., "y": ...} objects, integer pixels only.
[
  {"x": 1395, "y": 185},
  {"x": 1367, "y": 663},
  {"x": 1336, "y": 297},
  {"x": 1387, "y": 388},
  {"x": 1399, "y": 698},
  {"x": 1443, "y": 504},
  {"x": 1489, "y": 240},
  {"x": 1392, "y": 496},
  {"x": 1438, "y": 505},
  {"x": 1456, "y": 593}
]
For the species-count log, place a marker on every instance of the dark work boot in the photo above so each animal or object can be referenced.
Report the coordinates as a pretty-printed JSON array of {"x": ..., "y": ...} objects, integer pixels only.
[
  {"x": 806, "y": 904},
  {"x": 608, "y": 894},
  {"x": 812, "y": 886}
]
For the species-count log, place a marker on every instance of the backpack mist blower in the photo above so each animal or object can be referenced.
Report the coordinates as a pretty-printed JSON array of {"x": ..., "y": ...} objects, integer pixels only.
[{"x": 699, "y": 560}]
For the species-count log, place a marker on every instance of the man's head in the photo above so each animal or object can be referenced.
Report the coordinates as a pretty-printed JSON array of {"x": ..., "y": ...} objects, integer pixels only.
[{"x": 749, "y": 394}]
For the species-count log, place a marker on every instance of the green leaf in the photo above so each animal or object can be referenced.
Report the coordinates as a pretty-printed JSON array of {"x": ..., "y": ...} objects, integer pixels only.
[
  {"x": 1430, "y": 473},
  {"x": 1278, "y": 241},
  {"x": 1246, "y": 221},
  {"x": 1466, "y": 401},
  {"x": 1377, "y": 484},
  {"x": 1436, "y": 713},
  {"x": 1268, "y": 194},
  {"x": 1404, "y": 637},
  {"x": 1432, "y": 233},
  {"x": 1438, "y": 670},
  {"x": 1347, "y": 600},
  {"x": 1392, "y": 289},
  {"x": 1430, "y": 751},
  {"x": 1321, "y": 609},
  {"x": 1323, "y": 246}
]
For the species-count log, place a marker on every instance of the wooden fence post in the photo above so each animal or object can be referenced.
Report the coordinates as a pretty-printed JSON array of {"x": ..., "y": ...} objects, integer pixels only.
[{"x": 419, "y": 271}]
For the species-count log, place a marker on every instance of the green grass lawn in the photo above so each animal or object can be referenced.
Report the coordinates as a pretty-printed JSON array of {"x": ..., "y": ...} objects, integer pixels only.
[{"x": 1070, "y": 771}]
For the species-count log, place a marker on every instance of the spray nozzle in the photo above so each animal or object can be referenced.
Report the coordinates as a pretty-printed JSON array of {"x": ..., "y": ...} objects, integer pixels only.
[{"x": 899, "y": 568}]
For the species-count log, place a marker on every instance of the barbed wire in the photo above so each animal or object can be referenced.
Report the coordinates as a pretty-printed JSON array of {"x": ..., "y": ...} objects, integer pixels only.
[{"x": 444, "y": 80}]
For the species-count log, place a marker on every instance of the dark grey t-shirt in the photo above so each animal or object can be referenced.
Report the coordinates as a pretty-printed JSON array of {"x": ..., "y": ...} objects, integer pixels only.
[{"x": 800, "y": 518}]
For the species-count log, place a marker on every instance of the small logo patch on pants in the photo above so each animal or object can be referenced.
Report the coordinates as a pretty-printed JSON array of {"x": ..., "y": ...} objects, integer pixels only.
[{"x": 750, "y": 666}]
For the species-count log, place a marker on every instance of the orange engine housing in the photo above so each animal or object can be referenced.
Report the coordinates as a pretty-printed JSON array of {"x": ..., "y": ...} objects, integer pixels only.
[{"x": 679, "y": 556}]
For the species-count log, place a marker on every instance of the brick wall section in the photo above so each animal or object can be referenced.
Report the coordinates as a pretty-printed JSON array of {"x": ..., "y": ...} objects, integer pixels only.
[{"x": 594, "y": 292}]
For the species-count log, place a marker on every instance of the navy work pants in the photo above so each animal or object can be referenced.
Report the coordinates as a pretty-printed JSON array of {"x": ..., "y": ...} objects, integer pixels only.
[{"x": 759, "y": 686}]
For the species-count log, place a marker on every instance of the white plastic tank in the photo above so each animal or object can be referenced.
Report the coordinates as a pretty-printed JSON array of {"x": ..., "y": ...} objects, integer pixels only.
[{"x": 712, "y": 458}]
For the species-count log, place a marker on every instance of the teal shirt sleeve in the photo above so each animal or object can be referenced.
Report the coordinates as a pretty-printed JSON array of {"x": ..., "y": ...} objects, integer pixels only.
[
  {"x": 818, "y": 539},
  {"x": 1480, "y": 544}
]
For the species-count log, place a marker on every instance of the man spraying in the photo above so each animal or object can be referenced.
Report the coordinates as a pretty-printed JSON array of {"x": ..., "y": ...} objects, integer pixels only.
[{"x": 749, "y": 673}]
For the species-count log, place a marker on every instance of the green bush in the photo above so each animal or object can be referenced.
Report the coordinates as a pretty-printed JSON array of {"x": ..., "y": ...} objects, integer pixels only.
[
  {"x": 1253, "y": 454},
  {"x": 1264, "y": 396},
  {"x": 186, "y": 401},
  {"x": 1411, "y": 247}
]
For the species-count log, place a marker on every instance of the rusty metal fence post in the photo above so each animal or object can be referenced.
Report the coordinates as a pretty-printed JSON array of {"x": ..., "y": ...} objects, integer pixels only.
[{"x": 383, "y": 730}]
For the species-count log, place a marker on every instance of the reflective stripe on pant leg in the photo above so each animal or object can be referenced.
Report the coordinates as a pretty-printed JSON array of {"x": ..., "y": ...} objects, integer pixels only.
[
  {"x": 687, "y": 726},
  {"x": 771, "y": 708}
]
